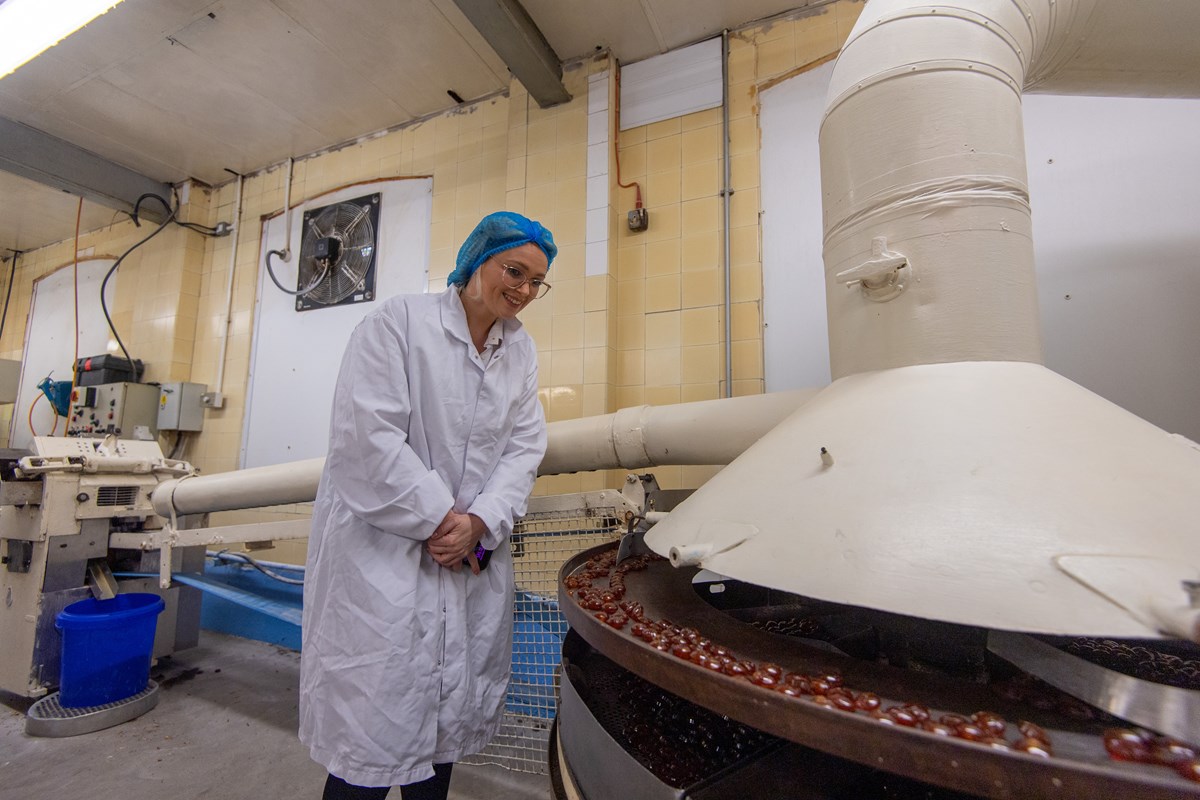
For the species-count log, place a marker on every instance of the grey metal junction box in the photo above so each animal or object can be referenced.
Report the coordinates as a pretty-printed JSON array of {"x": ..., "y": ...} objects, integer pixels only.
[{"x": 179, "y": 407}]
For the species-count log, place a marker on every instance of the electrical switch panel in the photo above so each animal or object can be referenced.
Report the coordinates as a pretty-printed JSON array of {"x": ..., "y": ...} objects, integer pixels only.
[{"x": 129, "y": 410}]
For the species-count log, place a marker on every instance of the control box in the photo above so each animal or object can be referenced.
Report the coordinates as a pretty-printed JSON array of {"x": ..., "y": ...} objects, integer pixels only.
[
  {"x": 129, "y": 410},
  {"x": 10, "y": 378},
  {"x": 180, "y": 407}
]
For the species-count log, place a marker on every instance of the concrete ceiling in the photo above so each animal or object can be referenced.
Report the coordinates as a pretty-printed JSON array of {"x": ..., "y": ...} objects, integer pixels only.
[{"x": 177, "y": 89}]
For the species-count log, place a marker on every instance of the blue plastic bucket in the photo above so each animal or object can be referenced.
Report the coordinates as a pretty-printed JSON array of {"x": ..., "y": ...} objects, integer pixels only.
[{"x": 106, "y": 648}]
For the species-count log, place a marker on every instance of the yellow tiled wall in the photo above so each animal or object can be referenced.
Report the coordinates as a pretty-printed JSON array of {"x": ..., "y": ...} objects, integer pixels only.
[
  {"x": 155, "y": 293},
  {"x": 649, "y": 331},
  {"x": 670, "y": 284}
]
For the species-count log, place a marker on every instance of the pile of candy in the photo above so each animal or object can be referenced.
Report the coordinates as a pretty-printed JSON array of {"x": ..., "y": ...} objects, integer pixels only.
[
  {"x": 1144, "y": 747},
  {"x": 827, "y": 690}
]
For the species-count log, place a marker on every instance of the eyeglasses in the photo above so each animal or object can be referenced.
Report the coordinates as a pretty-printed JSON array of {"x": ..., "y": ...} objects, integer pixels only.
[{"x": 514, "y": 278}]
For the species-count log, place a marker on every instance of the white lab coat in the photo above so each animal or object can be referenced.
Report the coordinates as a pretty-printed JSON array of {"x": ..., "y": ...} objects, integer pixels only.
[{"x": 404, "y": 662}]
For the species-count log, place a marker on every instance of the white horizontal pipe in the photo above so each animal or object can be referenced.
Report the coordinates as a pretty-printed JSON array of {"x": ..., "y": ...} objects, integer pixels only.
[
  {"x": 705, "y": 432},
  {"x": 275, "y": 485}
]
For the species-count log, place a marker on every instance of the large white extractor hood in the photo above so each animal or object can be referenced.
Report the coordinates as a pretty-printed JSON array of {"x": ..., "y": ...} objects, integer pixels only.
[{"x": 962, "y": 481}]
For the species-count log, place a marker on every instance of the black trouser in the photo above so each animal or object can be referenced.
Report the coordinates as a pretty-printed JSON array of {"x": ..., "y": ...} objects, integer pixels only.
[{"x": 435, "y": 788}]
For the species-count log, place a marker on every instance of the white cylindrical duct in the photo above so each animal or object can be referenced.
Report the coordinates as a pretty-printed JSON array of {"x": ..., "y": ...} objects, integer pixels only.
[
  {"x": 922, "y": 148},
  {"x": 942, "y": 474},
  {"x": 275, "y": 485},
  {"x": 704, "y": 432},
  {"x": 922, "y": 145}
]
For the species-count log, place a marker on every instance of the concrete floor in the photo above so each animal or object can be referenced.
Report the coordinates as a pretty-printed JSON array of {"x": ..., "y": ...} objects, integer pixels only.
[{"x": 224, "y": 729}]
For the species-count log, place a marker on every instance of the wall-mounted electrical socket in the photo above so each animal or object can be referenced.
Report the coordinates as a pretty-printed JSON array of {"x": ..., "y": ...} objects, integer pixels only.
[
  {"x": 639, "y": 220},
  {"x": 212, "y": 400}
]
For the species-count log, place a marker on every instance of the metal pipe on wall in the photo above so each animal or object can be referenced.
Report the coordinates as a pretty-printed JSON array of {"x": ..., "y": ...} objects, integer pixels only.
[
  {"x": 233, "y": 248},
  {"x": 726, "y": 199}
]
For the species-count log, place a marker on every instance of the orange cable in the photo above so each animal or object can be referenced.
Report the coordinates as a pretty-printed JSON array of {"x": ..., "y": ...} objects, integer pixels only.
[
  {"x": 33, "y": 405},
  {"x": 616, "y": 143}
]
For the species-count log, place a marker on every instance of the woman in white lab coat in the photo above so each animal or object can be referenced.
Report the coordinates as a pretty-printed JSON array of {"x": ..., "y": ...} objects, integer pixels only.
[{"x": 434, "y": 444}]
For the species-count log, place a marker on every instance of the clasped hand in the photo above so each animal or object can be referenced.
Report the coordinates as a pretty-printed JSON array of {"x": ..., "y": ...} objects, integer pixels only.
[{"x": 454, "y": 539}]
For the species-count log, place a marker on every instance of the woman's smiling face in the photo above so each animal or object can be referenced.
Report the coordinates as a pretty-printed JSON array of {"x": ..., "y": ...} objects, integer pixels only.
[{"x": 500, "y": 300}]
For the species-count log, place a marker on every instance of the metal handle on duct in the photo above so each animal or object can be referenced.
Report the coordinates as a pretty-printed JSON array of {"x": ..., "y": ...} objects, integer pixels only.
[{"x": 883, "y": 276}]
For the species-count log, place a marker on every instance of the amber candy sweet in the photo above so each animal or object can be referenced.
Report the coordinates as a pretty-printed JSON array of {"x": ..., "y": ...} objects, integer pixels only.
[
  {"x": 867, "y": 701},
  {"x": 919, "y": 712},
  {"x": 798, "y": 683},
  {"x": 1034, "y": 747},
  {"x": 739, "y": 668},
  {"x": 832, "y": 679},
  {"x": 1031, "y": 731},
  {"x": 1189, "y": 769},
  {"x": 681, "y": 650},
  {"x": 1168, "y": 751},
  {"x": 994, "y": 724},
  {"x": 763, "y": 678},
  {"x": 901, "y": 715},
  {"x": 971, "y": 732},
  {"x": 1124, "y": 744},
  {"x": 953, "y": 720},
  {"x": 842, "y": 699},
  {"x": 937, "y": 728}
]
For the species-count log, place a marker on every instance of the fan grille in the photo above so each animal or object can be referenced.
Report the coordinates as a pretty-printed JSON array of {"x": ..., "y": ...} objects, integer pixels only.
[{"x": 353, "y": 223}]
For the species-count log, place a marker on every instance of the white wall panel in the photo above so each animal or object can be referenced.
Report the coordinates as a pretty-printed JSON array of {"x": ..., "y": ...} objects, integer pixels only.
[
  {"x": 296, "y": 355},
  {"x": 50, "y": 340},
  {"x": 796, "y": 337},
  {"x": 1115, "y": 188},
  {"x": 676, "y": 83}
]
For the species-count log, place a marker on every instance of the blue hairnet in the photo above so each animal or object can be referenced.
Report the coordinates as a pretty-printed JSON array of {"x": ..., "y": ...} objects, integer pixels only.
[{"x": 496, "y": 233}]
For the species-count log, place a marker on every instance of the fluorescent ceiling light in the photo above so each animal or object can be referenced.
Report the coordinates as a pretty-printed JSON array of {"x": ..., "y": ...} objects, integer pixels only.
[{"x": 28, "y": 27}]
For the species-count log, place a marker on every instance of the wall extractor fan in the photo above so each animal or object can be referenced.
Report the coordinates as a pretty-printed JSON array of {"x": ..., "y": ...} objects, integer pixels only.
[{"x": 338, "y": 245}]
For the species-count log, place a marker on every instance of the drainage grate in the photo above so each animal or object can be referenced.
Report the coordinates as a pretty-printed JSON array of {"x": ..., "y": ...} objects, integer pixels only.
[{"x": 47, "y": 717}]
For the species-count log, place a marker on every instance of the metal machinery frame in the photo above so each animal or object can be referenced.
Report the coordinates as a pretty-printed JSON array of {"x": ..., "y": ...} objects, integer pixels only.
[{"x": 76, "y": 521}]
